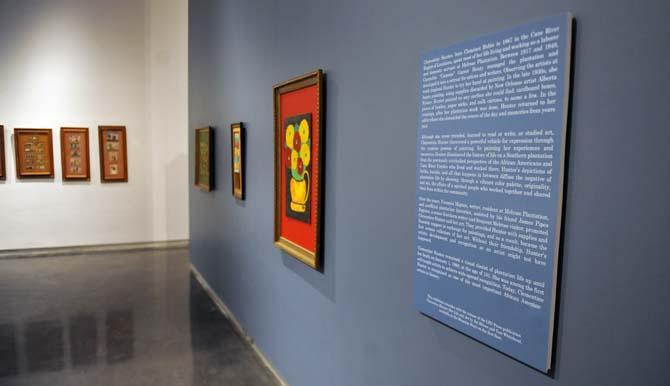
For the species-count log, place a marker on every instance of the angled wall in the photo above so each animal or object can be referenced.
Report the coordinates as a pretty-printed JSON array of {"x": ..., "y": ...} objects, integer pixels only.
[{"x": 355, "y": 323}]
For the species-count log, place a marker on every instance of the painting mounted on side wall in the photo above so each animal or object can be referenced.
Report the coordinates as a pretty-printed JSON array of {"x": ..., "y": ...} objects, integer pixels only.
[
  {"x": 3, "y": 168},
  {"x": 299, "y": 127},
  {"x": 34, "y": 153},
  {"x": 237, "y": 159},
  {"x": 74, "y": 152},
  {"x": 204, "y": 175},
  {"x": 113, "y": 153}
]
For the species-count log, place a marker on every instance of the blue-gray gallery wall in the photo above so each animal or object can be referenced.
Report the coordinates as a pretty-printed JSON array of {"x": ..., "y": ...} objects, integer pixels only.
[{"x": 355, "y": 323}]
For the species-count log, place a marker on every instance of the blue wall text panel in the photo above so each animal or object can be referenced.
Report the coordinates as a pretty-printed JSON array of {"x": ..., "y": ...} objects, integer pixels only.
[{"x": 490, "y": 153}]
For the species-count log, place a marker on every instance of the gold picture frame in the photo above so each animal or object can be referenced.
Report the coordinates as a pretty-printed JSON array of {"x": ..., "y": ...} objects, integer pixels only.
[
  {"x": 204, "y": 151},
  {"x": 299, "y": 142},
  {"x": 237, "y": 159},
  {"x": 3, "y": 167}
]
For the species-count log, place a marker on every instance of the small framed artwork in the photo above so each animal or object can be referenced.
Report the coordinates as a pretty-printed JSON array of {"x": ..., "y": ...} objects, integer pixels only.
[
  {"x": 113, "y": 153},
  {"x": 34, "y": 153},
  {"x": 299, "y": 128},
  {"x": 74, "y": 153},
  {"x": 204, "y": 174},
  {"x": 3, "y": 167},
  {"x": 237, "y": 161}
]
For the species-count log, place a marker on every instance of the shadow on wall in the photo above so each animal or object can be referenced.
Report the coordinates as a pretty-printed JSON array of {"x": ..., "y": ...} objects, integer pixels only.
[{"x": 322, "y": 282}]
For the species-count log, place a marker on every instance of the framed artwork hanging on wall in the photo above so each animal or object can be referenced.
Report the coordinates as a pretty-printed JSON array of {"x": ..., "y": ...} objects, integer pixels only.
[
  {"x": 74, "y": 150},
  {"x": 299, "y": 127},
  {"x": 204, "y": 174},
  {"x": 113, "y": 153},
  {"x": 237, "y": 159},
  {"x": 3, "y": 168},
  {"x": 34, "y": 153}
]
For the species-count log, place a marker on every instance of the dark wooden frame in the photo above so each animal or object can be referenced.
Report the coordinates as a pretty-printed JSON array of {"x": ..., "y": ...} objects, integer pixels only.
[
  {"x": 79, "y": 177},
  {"x": 239, "y": 194},
  {"x": 3, "y": 167},
  {"x": 19, "y": 152},
  {"x": 101, "y": 130},
  {"x": 207, "y": 186},
  {"x": 312, "y": 259}
]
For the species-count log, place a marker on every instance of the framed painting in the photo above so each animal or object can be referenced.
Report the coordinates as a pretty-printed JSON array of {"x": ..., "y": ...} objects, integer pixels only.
[
  {"x": 74, "y": 151},
  {"x": 237, "y": 159},
  {"x": 299, "y": 128},
  {"x": 204, "y": 173},
  {"x": 113, "y": 153},
  {"x": 3, "y": 167},
  {"x": 34, "y": 153}
]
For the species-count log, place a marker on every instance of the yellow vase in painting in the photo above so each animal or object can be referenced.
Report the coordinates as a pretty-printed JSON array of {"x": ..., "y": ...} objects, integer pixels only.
[{"x": 299, "y": 194}]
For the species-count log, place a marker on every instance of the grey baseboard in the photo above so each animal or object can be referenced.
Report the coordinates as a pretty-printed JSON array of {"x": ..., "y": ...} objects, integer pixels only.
[
  {"x": 237, "y": 326},
  {"x": 88, "y": 249}
]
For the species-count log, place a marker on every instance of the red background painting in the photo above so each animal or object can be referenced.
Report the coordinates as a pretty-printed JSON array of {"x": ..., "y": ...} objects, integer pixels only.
[{"x": 303, "y": 101}]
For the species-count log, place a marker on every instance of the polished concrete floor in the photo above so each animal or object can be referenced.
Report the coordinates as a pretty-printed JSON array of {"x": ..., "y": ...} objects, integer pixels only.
[{"x": 132, "y": 318}]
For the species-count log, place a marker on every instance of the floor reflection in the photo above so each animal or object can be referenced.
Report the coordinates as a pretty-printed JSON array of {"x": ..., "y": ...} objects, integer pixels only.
[
  {"x": 119, "y": 336},
  {"x": 116, "y": 319},
  {"x": 83, "y": 340},
  {"x": 44, "y": 346},
  {"x": 9, "y": 361}
]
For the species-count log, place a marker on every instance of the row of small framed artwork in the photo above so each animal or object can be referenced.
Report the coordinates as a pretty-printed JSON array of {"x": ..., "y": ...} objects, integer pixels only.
[
  {"x": 298, "y": 161},
  {"x": 204, "y": 159},
  {"x": 34, "y": 156}
]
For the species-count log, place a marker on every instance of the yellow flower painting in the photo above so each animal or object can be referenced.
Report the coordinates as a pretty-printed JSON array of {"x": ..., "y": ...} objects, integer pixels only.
[{"x": 298, "y": 150}]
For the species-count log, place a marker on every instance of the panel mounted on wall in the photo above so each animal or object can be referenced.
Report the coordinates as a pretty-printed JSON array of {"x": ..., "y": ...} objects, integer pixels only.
[
  {"x": 74, "y": 149},
  {"x": 113, "y": 153},
  {"x": 298, "y": 116},
  {"x": 3, "y": 167},
  {"x": 204, "y": 157},
  {"x": 34, "y": 153},
  {"x": 237, "y": 143},
  {"x": 490, "y": 159}
]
